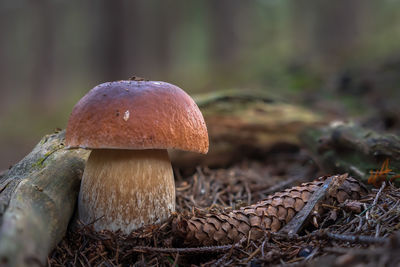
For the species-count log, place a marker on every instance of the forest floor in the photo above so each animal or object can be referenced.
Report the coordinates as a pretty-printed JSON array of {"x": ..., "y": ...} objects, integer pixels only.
[
  {"x": 364, "y": 236},
  {"x": 340, "y": 238}
]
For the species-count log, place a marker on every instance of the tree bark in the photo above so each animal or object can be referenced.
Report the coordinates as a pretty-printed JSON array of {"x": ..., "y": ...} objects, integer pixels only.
[{"x": 37, "y": 200}]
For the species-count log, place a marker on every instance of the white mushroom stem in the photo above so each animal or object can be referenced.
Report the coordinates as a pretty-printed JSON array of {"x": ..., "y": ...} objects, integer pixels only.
[{"x": 126, "y": 189}]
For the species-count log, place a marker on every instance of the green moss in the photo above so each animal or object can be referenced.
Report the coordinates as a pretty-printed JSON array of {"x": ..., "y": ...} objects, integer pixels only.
[
  {"x": 40, "y": 163},
  {"x": 44, "y": 140}
]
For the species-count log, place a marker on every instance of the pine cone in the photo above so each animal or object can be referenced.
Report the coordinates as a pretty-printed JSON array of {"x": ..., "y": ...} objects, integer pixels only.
[{"x": 267, "y": 215}]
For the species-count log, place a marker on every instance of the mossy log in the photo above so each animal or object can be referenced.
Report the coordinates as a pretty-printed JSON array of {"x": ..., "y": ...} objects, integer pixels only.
[
  {"x": 350, "y": 148},
  {"x": 37, "y": 200},
  {"x": 244, "y": 124}
]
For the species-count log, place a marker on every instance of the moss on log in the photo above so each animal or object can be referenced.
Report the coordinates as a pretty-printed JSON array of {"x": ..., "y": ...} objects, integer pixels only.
[
  {"x": 351, "y": 148},
  {"x": 244, "y": 123},
  {"x": 37, "y": 200}
]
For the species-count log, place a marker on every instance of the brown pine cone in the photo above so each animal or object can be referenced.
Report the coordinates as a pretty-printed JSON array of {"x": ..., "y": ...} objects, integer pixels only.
[{"x": 267, "y": 215}]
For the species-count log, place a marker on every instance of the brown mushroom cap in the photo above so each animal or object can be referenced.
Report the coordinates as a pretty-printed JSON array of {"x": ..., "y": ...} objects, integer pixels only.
[{"x": 137, "y": 115}]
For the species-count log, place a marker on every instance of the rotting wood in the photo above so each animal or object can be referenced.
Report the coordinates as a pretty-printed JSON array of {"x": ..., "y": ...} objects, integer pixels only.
[
  {"x": 347, "y": 147},
  {"x": 268, "y": 215},
  {"x": 37, "y": 200},
  {"x": 244, "y": 123}
]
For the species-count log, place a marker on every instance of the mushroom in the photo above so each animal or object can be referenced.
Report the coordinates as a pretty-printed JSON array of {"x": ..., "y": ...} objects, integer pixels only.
[{"x": 128, "y": 180}]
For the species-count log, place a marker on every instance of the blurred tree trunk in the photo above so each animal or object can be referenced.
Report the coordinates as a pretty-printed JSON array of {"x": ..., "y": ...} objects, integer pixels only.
[
  {"x": 327, "y": 32},
  {"x": 133, "y": 36},
  {"x": 337, "y": 30},
  {"x": 224, "y": 40},
  {"x": 109, "y": 41},
  {"x": 227, "y": 23},
  {"x": 301, "y": 17},
  {"x": 135, "y": 49},
  {"x": 43, "y": 52},
  {"x": 150, "y": 27},
  {"x": 164, "y": 28},
  {"x": 3, "y": 63}
]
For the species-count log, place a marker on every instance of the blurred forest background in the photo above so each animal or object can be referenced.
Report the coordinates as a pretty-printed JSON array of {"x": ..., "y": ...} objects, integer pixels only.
[{"x": 53, "y": 51}]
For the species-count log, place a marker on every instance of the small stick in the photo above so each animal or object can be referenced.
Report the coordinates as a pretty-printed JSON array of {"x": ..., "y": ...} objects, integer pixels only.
[
  {"x": 298, "y": 221},
  {"x": 176, "y": 260},
  {"x": 262, "y": 247},
  {"x": 377, "y": 231},
  {"x": 198, "y": 250},
  {"x": 280, "y": 186},
  {"x": 355, "y": 251},
  {"x": 248, "y": 191},
  {"x": 252, "y": 255},
  {"x": 357, "y": 238},
  {"x": 378, "y": 194}
]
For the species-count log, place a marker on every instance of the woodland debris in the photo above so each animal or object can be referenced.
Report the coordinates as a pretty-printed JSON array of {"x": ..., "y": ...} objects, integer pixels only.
[
  {"x": 350, "y": 148},
  {"x": 268, "y": 215},
  {"x": 83, "y": 245}
]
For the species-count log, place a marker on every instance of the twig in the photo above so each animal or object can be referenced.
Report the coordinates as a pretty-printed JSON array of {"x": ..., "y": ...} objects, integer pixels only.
[
  {"x": 354, "y": 251},
  {"x": 176, "y": 260},
  {"x": 356, "y": 238},
  {"x": 298, "y": 221},
  {"x": 280, "y": 186},
  {"x": 248, "y": 191},
  {"x": 253, "y": 254},
  {"x": 262, "y": 247},
  {"x": 198, "y": 250},
  {"x": 378, "y": 194},
  {"x": 395, "y": 206},
  {"x": 326, "y": 234}
]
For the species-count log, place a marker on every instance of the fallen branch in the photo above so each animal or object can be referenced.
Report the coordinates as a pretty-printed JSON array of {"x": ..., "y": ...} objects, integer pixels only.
[{"x": 37, "y": 200}]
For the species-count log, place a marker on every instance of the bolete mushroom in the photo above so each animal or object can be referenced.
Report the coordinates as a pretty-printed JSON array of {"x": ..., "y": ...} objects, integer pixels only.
[{"x": 129, "y": 125}]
